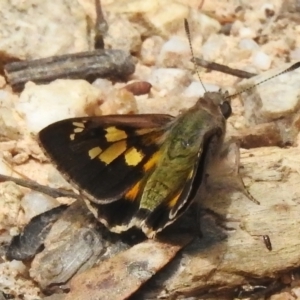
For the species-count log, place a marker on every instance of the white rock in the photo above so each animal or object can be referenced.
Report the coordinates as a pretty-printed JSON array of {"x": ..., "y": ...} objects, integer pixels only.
[
  {"x": 34, "y": 29},
  {"x": 12, "y": 279},
  {"x": 162, "y": 16},
  {"x": 170, "y": 104},
  {"x": 6, "y": 99},
  {"x": 10, "y": 195},
  {"x": 132, "y": 6},
  {"x": 119, "y": 102},
  {"x": 248, "y": 44},
  {"x": 41, "y": 105},
  {"x": 9, "y": 125},
  {"x": 174, "y": 51},
  {"x": 195, "y": 89},
  {"x": 274, "y": 99},
  {"x": 17, "y": 266},
  {"x": 213, "y": 47},
  {"x": 295, "y": 54},
  {"x": 163, "y": 20},
  {"x": 56, "y": 180},
  {"x": 281, "y": 94},
  {"x": 150, "y": 49},
  {"x": 4, "y": 168},
  {"x": 103, "y": 84},
  {"x": 169, "y": 78},
  {"x": 123, "y": 35},
  {"x": 261, "y": 60},
  {"x": 176, "y": 44},
  {"x": 35, "y": 203},
  {"x": 203, "y": 24},
  {"x": 246, "y": 32},
  {"x": 236, "y": 26}
]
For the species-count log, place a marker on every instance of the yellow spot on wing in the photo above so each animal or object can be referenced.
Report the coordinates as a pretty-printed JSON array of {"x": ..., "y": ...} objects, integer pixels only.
[
  {"x": 72, "y": 136},
  {"x": 114, "y": 134},
  {"x": 94, "y": 152},
  {"x": 133, "y": 192},
  {"x": 78, "y": 129},
  {"x": 133, "y": 157},
  {"x": 113, "y": 152},
  {"x": 152, "y": 161},
  {"x": 78, "y": 124}
]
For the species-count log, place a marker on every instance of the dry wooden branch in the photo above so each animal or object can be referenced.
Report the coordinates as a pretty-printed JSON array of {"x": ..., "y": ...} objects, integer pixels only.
[{"x": 113, "y": 64}]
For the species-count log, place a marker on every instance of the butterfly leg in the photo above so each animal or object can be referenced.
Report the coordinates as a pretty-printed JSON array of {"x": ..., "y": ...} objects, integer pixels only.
[{"x": 229, "y": 164}]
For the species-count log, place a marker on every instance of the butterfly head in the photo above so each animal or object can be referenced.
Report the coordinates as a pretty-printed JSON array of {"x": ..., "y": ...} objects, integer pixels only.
[{"x": 216, "y": 102}]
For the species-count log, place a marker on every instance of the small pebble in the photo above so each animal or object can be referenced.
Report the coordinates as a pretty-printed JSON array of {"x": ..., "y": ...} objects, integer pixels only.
[
  {"x": 245, "y": 32},
  {"x": 213, "y": 47},
  {"x": 195, "y": 89},
  {"x": 173, "y": 52},
  {"x": 168, "y": 78},
  {"x": 261, "y": 60},
  {"x": 248, "y": 44},
  {"x": 34, "y": 203}
]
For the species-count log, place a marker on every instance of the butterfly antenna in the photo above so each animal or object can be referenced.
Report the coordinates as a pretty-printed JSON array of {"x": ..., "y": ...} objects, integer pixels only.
[
  {"x": 289, "y": 69},
  {"x": 188, "y": 33}
]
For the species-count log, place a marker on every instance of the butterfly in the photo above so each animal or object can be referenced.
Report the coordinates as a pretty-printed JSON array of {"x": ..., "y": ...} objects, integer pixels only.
[{"x": 139, "y": 170}]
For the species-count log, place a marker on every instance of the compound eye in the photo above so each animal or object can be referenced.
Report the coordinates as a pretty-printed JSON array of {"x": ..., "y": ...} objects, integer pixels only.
[{"x": 226, "y": 109}]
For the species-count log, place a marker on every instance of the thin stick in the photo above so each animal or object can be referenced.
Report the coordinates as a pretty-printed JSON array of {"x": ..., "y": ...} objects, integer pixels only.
[
  {"x": 222, "y": 68},
  {"x": 55, "y": 193}
]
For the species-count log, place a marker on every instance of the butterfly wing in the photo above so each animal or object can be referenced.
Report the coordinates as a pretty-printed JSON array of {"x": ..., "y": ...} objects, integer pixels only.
[
  {"x": 107, "y": 158},
  {"x": 104, "y": 156}
]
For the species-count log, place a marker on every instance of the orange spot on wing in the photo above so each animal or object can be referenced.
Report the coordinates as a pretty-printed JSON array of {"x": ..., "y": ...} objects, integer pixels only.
[
  {"x": 133, "y": 192},
  {"x": 152, "y": 161},
  {"x": 174, "y": 200}
]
